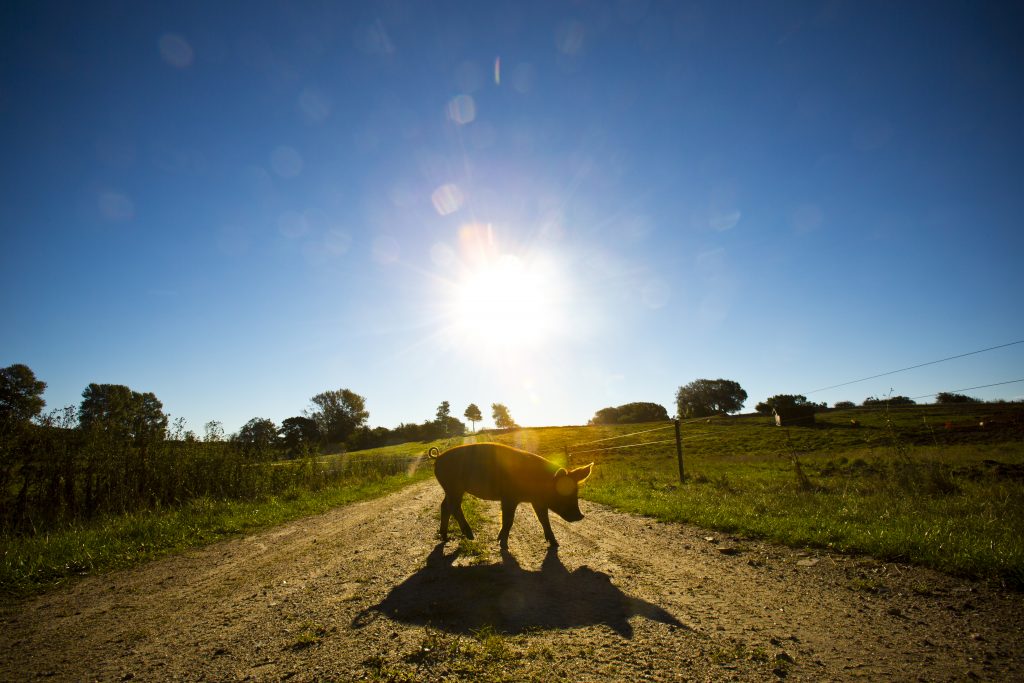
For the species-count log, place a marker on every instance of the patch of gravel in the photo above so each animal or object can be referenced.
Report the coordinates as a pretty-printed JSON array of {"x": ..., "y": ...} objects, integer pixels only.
[{"x": 365, "y": 593}]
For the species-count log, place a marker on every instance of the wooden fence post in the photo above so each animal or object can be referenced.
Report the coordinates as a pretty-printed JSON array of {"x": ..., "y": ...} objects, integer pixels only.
[
  {"x": 568, "y": 462},
  {"x": 679, "y": 452}
]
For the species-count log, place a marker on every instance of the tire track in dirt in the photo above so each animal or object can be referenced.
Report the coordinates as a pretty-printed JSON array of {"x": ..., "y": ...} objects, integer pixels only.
[{"x": 364, "y": 591}]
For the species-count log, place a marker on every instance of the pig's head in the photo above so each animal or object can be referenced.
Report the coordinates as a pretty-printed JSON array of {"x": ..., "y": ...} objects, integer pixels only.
[{"x": 565, "y": 501}]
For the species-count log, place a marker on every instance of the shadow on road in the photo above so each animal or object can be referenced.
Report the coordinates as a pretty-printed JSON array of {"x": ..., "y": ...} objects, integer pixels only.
[{"x": 510, "y": 599}]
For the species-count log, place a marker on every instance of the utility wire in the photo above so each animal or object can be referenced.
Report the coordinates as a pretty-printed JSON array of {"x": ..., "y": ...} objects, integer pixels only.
[
  {"x": 982, "y": 386},
  {"x": 615, "y": 448},
  {"x": 914, "y": 367},
  {"x": 623, "y": 436}
]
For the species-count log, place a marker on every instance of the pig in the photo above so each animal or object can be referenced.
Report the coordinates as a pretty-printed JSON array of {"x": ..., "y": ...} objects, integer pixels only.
[{"x": 493, "y": 471}]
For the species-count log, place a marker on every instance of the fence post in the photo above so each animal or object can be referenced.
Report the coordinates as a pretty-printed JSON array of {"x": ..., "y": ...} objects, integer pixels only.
[
  {"x": 568, "y": 462},
  {"x": 679, "y": 452}
]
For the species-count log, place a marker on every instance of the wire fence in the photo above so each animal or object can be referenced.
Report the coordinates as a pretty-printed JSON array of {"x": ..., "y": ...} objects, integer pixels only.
[{"x": 881, "y": 405}]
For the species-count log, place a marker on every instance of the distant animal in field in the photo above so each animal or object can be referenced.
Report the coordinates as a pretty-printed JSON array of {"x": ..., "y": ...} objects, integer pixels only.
[{"x": 496, "y": 472}]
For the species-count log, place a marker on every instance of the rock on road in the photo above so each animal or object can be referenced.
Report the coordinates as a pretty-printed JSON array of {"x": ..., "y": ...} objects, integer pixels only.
[{"x": 365, "y": 592}]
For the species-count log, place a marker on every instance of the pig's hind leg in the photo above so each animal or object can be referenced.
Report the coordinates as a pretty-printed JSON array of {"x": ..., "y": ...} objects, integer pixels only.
[{"x": 508, "y": 513}]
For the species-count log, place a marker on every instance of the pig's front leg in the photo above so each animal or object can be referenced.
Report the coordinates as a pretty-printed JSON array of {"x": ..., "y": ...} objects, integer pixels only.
[{"x": 542, "y": 515}]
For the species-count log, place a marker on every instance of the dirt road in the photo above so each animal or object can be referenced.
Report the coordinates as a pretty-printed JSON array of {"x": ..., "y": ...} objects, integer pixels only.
[{"x": 364, "y": 592}]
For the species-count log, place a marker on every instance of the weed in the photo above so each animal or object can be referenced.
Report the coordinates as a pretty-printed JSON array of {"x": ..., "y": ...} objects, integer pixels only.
[{"x": 308, "y": 635}]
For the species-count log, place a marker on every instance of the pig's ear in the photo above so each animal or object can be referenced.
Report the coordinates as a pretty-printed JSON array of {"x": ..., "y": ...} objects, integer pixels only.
[
  {"x": 580, "y": 474},
  {"x": 560, "y": 473}
]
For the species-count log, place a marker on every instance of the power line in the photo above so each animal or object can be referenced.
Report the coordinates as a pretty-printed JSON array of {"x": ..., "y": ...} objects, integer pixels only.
[
  {"x": 615, "y": 448},
  {"x": 982, "y": 386},
  {"x": 623, "y": 436},
  {"x": 914, "y": 367}
]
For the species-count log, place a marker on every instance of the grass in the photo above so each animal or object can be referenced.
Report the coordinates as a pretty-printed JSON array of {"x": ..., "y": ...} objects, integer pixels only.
[
  {"x": 900, "y": 486},
  {"x": 32, "y": 564},
  {"x": 484, "y": 655}
]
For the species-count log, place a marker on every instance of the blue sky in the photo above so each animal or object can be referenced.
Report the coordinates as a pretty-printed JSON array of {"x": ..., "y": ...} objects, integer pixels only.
[{"x": 555, "y": 206}]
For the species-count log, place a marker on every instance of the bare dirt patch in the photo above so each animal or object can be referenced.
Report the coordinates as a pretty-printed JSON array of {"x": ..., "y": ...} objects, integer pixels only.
[{"x": 365, "y": 593}]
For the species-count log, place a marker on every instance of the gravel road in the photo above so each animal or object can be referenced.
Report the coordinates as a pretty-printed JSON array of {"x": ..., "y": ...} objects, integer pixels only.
[{"x": 365, "y": 593}]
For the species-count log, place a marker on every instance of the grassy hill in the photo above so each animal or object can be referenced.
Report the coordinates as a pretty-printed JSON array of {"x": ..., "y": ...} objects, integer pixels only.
[{"x": 941, "y": 486}]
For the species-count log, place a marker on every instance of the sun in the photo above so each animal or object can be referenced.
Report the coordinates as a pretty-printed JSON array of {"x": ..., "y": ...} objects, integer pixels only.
[{"x": 499, "y": 304}]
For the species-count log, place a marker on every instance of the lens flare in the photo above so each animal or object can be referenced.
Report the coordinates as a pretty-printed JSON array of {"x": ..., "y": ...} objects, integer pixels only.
[
  {"x": 447, "y": 199},
  {"x": 462, "y": 109}
]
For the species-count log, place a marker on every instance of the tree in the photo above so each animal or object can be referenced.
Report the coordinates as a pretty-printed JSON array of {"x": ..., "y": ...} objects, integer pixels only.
[
  {"x": 781, "y": 402},
  {"x": 473, "y": 414},
  {"x": 443, "y": 411},
  {"x": 889, "y": 400},
  {"x": 120, "y": 412},
  {"x": 630, "y": 413},
  {"x": 502, "y": 419},
  {"x": 298, "y": 434},
  {"x": 789, "y": 409},
  {"x": 844, "y": 405},
  {"x": 21, "y": 394},
  {"x": 338, "y": 414},
  {"x": 948, "y": 397},
  {"x": 257, "y": 437},
  {"x": 706, "y": 397}
]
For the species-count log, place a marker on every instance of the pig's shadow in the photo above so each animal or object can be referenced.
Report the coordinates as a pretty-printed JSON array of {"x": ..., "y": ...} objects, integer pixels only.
[{"x": 510, "y": 599}]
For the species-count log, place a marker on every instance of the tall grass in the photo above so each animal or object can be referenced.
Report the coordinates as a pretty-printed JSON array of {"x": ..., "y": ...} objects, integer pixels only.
[
  {"x": 74, "y": 502},
  {"x": 55, "y": 475}
]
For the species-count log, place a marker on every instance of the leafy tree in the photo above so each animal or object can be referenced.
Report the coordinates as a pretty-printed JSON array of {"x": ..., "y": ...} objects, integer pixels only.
[
  {"x": 888, "y": 400},
  {"x": 120, "y": 412},
  {"x": 948, "y": 397},
  {"x": 706, "y": 397},
  {"x": 502, "y": 419},
  {"x": 630, "y": 413},
  {"x": 473, "y": 414},
  {"x": 339, "y": 414},
  {"x": 257, "y": 437},
  {"x": 844, "y": 405},
  {"x": 443, "y": 411},
  {"x": 21, "y": 394},
  {"x": 299, "y": 434},
  {"x": 784, "y": 402},
  {"x": 790, "y": 408}
]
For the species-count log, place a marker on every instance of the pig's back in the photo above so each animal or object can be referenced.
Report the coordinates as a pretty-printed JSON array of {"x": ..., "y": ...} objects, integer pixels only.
[{"x": 494, "y": 471}]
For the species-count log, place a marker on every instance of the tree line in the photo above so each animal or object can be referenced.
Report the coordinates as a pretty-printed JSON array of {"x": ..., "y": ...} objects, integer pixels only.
[{"x": 710, "y": 397}]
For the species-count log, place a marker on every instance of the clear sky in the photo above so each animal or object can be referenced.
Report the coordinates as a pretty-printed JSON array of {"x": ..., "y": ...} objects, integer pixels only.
[{"x": 555, "y": 206}]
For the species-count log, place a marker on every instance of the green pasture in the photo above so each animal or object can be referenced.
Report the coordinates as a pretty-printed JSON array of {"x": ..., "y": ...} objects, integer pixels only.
[{"x": 924, "y": 484}]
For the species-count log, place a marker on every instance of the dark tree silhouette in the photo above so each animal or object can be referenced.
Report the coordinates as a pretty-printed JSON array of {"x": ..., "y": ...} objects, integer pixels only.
[
  {"x": 298, "y": 435},
  {"x": 706, "y": 397},
  {"x": 21, "y": 394},
  {"x": 473, "y": 414},
  {"x": 119, "y": 412},
  {"x": 630, "y": 413},
  {"x": 949, "y": 397},
  {"x": 257, "y": 438}
]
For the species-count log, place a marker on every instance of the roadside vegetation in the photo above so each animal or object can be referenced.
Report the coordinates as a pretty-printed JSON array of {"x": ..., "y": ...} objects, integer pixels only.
[{"x": 936, "y": 485}]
